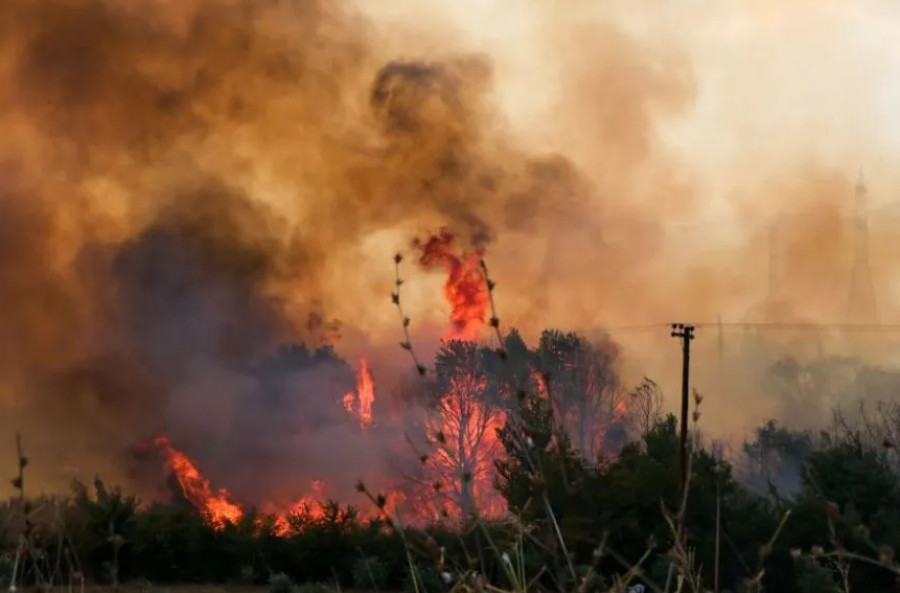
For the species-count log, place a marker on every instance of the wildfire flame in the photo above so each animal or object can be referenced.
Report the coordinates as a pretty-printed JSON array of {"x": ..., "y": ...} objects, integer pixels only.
[
  {"x": 541, "y": 384},
  {"x": 465, "y": 288},
  {"x": 467, "y": 443},
  {"x": 464, "y": 424},
  {"x": 359, "y": 403},
  {"x": 310, "y": 504},
  {"x": 218, "y": 509},
  {"x": 313, "y": 507},
  {"x": 467, "y": 447},
  {"x": 618, "y": 412},
  {"x": 215, "y": 506}
]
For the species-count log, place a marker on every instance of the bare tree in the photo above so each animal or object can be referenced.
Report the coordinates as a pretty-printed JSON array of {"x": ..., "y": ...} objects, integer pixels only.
[
  {"x": 584, "y": 386},
  {"x": 645, "y": 407},
  {"x": 876, "y": 425},
  {"x": 461, "y": 425},
  {"x": 774, "y": 459}
]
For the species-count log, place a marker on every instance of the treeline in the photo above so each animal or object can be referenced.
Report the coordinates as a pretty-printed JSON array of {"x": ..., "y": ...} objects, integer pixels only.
[
  {"x": 609, "y": 517},
  {"x": 580, "y": 518}
]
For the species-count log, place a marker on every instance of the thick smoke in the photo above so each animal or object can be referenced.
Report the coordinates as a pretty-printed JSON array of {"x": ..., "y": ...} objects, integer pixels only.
[
  {"x": 186, "y": 185},
  {"x": 183, "y": 186}
]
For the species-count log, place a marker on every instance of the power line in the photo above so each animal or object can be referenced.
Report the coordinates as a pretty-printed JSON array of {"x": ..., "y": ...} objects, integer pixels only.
[
  {"x": 635, "y": 328},
  {"x": 812, "y": 327},
  {"x": 775, "y": 326}
]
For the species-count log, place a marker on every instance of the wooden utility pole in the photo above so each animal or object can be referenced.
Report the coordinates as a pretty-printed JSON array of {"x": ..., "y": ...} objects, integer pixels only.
[{"x": 685, "y": 333}]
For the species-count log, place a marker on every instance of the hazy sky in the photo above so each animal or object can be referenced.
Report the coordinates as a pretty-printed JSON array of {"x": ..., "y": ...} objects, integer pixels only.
[
  {"x": 827, "y": 71},
  {"x": 628, "y": 156}
]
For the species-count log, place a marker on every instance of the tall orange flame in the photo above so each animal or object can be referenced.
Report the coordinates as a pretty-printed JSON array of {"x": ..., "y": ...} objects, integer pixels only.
[
  {"x": 360, "y": 403},
  {"x": 468, "y": 444},
  {"x": 218, "y": 510},
  {"x": 216, "y": 507},
  {"x": 310, "y": 504},
  {"x": 465, "y": 288}
]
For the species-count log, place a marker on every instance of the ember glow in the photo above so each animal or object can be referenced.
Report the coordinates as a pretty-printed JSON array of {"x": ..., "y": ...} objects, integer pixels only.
[{"x": 540, "y": 384}]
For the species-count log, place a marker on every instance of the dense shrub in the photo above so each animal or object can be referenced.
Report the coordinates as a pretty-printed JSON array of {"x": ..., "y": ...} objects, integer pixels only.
[
  {"x": 369, "y": 573},
  {"x": 849, "y": 496},
  {"x": 585, "y": 522},
  {"x": 812, "y": 577},
  {"x": 845, "y": 486}
]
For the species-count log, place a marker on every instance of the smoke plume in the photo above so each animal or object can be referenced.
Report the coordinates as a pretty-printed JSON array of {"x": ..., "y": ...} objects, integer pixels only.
[{"x": 186, "y": 185}]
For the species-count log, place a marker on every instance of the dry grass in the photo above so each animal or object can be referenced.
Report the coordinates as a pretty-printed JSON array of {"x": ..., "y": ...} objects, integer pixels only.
[{"x": 147, "y": 588}]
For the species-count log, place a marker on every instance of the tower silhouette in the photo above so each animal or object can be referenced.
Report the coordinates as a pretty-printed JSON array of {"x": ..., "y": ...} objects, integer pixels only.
[
  {"x": 774, "y": 290},
  {"x": 774, "y": 306},
  {"x": 861, "y": 302},
  {"x": 770, "y": 306}
]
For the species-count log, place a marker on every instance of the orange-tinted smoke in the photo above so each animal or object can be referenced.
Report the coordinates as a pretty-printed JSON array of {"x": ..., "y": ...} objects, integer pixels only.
[
  {"x": 183, "y": 183},
  {"x": 465, "y": 289}
]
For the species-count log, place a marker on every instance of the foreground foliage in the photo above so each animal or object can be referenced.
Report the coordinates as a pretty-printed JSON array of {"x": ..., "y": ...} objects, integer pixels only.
[
  {"x": 608, "y": 514},
  {"x": 802, "y": 513}
]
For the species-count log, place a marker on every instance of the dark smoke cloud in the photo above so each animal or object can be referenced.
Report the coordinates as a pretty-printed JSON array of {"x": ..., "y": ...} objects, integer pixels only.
[
  {"x": 194, "y": 280},
  {"x": 185, "y": 185},
  {"x": 180, "y": 183}
]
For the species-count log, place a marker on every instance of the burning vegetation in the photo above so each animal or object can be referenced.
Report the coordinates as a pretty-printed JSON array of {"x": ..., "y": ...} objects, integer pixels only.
[
  {"x": 214, "y": 506},
  {"x": 176, "y": 218},
  {"x": 186, "y": 186},
  {"x": 197, "y": 200},
  {"x": 465, "y": 288},
  {"x": 463, "y": 412},
  {"x": 359, "y": 402}
]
